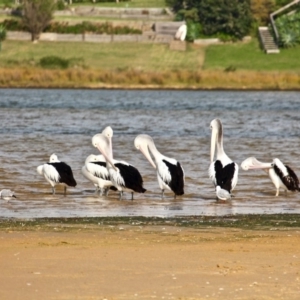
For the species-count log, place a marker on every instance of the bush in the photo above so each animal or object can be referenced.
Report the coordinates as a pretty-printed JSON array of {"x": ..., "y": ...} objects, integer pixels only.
[
  {"x": 100, "y": 28},
  {"x": 288, "y": 27},
  {"x": 230, "y": 17},
  {"x": 54, "y": 62}
]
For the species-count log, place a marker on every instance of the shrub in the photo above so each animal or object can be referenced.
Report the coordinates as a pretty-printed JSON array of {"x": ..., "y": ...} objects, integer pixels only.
[
  {"x": 54, "y": 62},
  {"x": 288, "y": 27}
]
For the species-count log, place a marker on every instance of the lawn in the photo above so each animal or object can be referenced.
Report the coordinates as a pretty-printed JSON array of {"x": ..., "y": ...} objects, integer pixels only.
[
  {"x": 249, "y": 56},
  {"x": 111, "y": 56}
]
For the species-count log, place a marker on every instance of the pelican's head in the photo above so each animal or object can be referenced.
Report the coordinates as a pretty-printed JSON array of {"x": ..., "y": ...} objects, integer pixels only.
[
  {"x": 101, "y": 142},
  {"x": 108, "y": 132},
  {"x": 216, "y": 136},
  {"x": 53, "y": 158},
  {"x": 142, "y": 142},
  {"x": 252, "y": 163}
]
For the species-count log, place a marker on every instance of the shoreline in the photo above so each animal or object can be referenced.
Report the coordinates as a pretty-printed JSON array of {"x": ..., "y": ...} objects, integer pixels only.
[
  {"x": 248, "y": 222},
  {"x": 208, "y": 80}
]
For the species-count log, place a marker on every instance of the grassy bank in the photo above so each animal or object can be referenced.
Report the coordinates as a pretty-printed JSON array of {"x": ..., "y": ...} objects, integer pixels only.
[{"x": 138, "y": 65}]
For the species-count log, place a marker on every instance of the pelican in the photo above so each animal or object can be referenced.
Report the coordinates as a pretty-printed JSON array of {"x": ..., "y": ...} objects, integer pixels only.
[
  {"x": 170, "y": 174},
  {"x": 7, "y": 194},
  {"x": 124, "y": 176},
  {"x": 223, "y": 171},
  {"x": 95, "y": 170},
  {"x": 281, "y": 175},
  {"x": 57, "y": 172}
]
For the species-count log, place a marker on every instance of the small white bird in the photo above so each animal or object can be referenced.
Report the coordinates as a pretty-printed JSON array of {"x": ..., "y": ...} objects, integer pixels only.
[
  {"x": 95, "y": 171},
  {"x": 181, "y": 32},
  {"x": 281, "y": 175},
  {"x": 57, "y": 172},
  {"x": 6, "y": 194}
]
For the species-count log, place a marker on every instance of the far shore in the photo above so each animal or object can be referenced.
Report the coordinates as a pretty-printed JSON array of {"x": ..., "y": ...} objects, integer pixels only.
[{"x": 168, "y": 80}]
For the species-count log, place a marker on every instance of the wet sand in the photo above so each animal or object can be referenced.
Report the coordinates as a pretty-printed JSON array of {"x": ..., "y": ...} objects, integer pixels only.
[{"x": 123, "y": 261}]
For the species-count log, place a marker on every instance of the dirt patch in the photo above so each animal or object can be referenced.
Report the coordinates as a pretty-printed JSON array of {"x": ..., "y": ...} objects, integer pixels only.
[{"x": 125, "y": 261}]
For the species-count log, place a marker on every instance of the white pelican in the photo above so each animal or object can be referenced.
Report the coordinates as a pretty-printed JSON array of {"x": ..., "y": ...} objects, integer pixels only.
[
  {"x": 170, "y": 174},
  {"x": 281, "y": 175},
  {"x": 124, "y": 176},
  {"x": 7, "y": 194},
  {"x": 223, "y": 171},
  {"x": 95, "y": 170},
  {"x": 57, "y": 172}
]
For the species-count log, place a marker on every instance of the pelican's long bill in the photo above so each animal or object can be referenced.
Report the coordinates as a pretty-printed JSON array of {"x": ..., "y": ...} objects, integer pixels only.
[
  {"x": 141, "y": 143},
  {"x": 144, "y": 149},
  {"x": 252, "y": 163},
  {"x": 101, "y": 142}
]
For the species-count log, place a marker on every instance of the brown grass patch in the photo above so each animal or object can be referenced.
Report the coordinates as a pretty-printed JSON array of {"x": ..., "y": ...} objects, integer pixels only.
[{"x": 37, "y": 77}]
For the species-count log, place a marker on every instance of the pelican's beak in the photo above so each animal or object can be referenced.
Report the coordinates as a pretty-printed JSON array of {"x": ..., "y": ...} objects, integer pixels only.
[
  {"x": 107, "y": 157},
  {"x": 103, "y": 145},
  {"x": 145, "y": 151},
  {"x": 252, "y": 163},
  {"x": 213, "y": 144}
]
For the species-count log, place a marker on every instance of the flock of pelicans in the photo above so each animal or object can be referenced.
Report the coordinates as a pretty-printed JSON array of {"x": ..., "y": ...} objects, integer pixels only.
[{"x": 107, "y": 173}]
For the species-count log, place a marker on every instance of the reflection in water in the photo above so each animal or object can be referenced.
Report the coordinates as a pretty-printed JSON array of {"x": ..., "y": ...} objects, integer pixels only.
[{"x": 37, "y": 123}]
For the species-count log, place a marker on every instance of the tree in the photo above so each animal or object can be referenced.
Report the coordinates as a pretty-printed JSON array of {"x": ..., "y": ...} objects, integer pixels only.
[
  {"x": 37, "y": 15},
  {"x": 2, "y": 34},
  {"x": 230, "y": 17},
  {"x": 217, "y": 17}
]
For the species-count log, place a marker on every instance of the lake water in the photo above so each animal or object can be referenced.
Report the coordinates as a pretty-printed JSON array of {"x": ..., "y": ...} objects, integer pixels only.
[{"x": 38, "y": 122}]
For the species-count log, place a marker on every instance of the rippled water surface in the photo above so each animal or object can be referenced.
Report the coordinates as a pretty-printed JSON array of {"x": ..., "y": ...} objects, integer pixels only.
[{"x": 36, "y": 123}]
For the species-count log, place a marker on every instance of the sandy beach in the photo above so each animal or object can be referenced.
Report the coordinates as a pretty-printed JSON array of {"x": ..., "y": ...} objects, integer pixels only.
[{"x": 132, "y": 261}]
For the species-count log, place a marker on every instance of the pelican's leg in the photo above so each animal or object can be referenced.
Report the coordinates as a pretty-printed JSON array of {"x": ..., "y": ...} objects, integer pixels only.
[
  {"x": 277, "y": 193},
  {"x": 96, "y": 190},
  {"x": 106, "y": 192},
  {"x": 120, "y": 195},
  {"x": 131, "y": 196},
  {"x": 53, "y": 190},
  {"x": 101, "y": 192},
  {"x": 65, "y": 190},
  {"x": 162, "y": 193}
]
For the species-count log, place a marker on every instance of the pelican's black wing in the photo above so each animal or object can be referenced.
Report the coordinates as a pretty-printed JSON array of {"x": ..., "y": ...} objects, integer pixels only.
[
  {"x": 65, "y": 173},
  {"x": 132, "y": 177},
  {"x": 177, "y": 178},
  {"x": 224, "y": 176}
]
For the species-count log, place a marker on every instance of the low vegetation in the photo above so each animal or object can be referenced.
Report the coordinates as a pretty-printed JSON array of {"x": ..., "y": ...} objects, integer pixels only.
[
  {"x": 92, "y": 65},
  {"x": 281, "y": 222},
  {"x": 78, "y": 28}
]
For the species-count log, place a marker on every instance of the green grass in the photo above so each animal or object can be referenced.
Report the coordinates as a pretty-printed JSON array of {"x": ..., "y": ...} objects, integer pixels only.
[
  {"x": 112, "y": 56},
  {"x": 249, "y": 56}
]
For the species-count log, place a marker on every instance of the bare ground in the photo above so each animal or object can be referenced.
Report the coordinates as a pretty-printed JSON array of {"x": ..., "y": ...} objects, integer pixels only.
[{"x": 149, "y": 262}]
